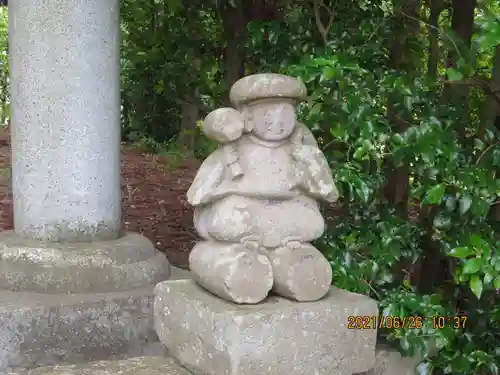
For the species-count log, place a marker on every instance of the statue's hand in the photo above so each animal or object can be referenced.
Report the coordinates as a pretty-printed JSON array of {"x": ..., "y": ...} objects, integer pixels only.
[
  {"x": 251, "y": 242},
  {"x": 292, "y": 243},
  {"x": 235, "y": 170}
]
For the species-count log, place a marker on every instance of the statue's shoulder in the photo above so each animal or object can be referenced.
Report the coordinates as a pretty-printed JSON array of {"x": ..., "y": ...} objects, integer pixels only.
[{"x": 303, "y": 135}]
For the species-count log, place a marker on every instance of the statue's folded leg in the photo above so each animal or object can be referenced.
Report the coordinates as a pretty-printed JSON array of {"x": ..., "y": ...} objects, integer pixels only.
[
  {"x": 231, "y": 271},
  {"x": 298, "y": 218},
  {"x": 302, "y": 274}
]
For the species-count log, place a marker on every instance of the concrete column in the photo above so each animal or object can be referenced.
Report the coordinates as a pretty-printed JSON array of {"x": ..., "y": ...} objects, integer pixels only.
[{"x": 64, "y": 66}]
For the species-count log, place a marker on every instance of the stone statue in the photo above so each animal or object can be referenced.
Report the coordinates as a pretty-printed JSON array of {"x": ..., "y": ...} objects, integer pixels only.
[{"x": 255, "y": 198}]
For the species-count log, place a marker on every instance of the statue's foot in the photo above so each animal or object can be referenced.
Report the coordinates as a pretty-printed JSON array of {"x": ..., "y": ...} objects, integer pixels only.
[
  {"x": 302, "y": 274},
  {"x": 231, "y": 271}
]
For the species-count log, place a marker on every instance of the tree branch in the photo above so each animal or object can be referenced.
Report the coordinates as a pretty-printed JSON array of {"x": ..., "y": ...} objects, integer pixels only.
[
  {"x": 488, "y": 87},
  {"x": 323, "y": 29}
]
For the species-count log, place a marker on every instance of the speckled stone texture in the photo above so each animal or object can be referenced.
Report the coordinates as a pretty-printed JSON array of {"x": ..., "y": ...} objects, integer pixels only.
[
  {"x": 129, "y": 262},
  {"x": 45, "y": 330},
  {"x": 133, "y": 366},
  {"x": 211, "y": 336},
  {"x": 65, "y": 119}
]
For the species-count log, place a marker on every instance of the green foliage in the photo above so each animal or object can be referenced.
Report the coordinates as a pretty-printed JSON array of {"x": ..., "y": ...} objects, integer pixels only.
[
  {"x": 163, "y": 66},
  {"x": 377, "y": 113},
  {"x": 453, "y": 179},
  {"x": 374, "y": 109}
]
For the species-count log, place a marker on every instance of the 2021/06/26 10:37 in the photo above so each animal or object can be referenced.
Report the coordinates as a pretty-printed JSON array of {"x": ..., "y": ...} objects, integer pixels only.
[{"x": 412, "y": 322}]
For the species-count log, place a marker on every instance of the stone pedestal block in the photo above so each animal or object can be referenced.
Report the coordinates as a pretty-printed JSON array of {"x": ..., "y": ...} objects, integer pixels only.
[
  {"x": 49, "y": 329},
  {"x": 132, "y": 366},
  {"x": 211, "y": 336}
]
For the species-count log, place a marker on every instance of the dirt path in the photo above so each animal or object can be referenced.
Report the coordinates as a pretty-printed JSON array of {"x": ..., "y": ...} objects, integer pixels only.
[{"x": 153, "y": 196}]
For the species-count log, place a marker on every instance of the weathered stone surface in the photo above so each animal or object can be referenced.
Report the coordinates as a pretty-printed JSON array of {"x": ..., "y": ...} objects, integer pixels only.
[
  {"x": 129, "y": 262},
  {"x": 211, "y": 336},
  {"x": 42, "y": 330},
  {"x": 388, "y": 361},
  {"x": 265, "y": 86},
  {"x": 231, "y": 272},
  {"x": 132, "y": 366},
  {"x": 259, "y": 191},
  {"x": 65, "y": 119},
  {"x": 223, "y": 125}
]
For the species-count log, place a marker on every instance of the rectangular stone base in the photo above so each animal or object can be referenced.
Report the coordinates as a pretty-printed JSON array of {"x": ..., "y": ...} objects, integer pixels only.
[
  {"x": 44, "y": 330},
  {"x": 211, "y": 336},
  {"x": 132, "y": 366}
]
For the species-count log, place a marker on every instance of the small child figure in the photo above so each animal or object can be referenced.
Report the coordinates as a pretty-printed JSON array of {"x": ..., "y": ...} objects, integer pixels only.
[{"x": 255, "y": 198}]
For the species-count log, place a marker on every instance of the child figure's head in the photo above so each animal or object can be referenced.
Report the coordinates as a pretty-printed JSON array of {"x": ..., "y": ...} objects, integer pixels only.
[
  {"x": 223, "y": 125},
  {"x": 226, "y": 125},
  {"x": 267, "y": 102}
]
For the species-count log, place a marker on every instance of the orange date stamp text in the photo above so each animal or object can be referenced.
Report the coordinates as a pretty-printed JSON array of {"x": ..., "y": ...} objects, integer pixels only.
[{"x": 380, "y": 322}]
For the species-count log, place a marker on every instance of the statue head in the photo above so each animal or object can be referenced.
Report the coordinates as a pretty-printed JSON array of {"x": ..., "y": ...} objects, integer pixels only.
[{"x": 267, "y": 102}]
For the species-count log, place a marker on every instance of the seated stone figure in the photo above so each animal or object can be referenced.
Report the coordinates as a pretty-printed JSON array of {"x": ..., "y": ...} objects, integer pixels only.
[{"x": 255, "y": 198}]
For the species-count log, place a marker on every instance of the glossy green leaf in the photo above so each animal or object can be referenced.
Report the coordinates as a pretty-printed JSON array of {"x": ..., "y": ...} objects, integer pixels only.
[
  {"x": 476, "y": 286},
  {"x": 454, "y": 75},
  {"x": 481, "y": 245},
  {"x": 461, "y": 252},
  {"x": 472, "y": 265},
  {"x": 435, "y": 194},
  {"x": 464, "y": 204},
  {"x": 496, "y": 283},
  {"x": 488, "y": 278}
]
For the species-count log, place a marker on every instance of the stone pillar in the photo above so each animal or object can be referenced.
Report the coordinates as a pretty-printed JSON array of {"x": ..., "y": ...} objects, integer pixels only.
[
  {"x": 65, "y": 74},
  {"x": 86, "y": 288},
  {"x": 65, "y": 94}
]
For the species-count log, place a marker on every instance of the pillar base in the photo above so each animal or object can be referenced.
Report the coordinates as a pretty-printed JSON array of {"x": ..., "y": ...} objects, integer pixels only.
[
  {"x": 130, "y": 262},
  {"x": 51, "y": 329},
  {"x": 211, "y": 336}
]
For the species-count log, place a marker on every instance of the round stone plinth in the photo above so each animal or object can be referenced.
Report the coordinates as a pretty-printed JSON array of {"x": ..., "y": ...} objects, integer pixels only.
[{"x": 130, "y": 262}]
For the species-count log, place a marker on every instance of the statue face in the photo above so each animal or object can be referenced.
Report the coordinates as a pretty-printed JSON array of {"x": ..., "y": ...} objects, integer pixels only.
[{"x": 273, "y": 120}]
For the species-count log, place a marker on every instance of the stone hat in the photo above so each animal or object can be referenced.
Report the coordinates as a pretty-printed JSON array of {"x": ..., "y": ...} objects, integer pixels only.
[{"x": 264, "y": 86}]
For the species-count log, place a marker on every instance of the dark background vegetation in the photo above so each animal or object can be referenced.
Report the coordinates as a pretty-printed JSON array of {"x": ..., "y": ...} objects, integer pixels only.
[{"x": 405, "y": 102}]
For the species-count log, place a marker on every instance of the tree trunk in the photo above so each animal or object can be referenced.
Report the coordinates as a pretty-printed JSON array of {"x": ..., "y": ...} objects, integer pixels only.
[
  {"x": 235, "y": 22},
  {"x": 491, "y": 109},
  {"x": 462, "y": 24},
  {"x": 489, "y": 116},
  {"x": 190, "y": 115},
  {"x": 436, "y": 7},
  {"x": 402, "y": 60},
  {"x": 435, "y": 268}
]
